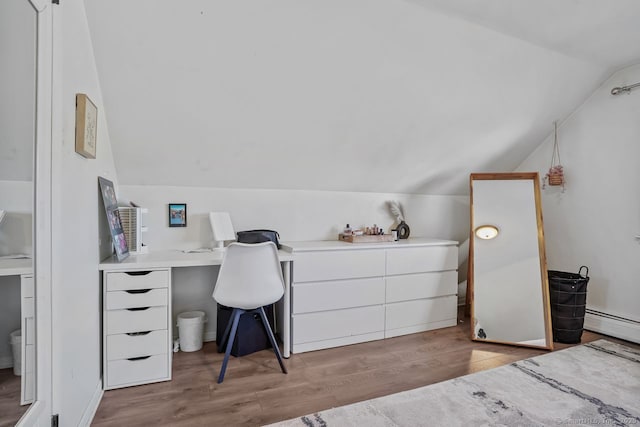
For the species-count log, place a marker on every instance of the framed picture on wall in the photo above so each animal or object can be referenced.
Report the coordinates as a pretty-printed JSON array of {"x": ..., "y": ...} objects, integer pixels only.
[
  {"x": 177, "y": 214},
  {"x": 113, "y": 218},
  {"x": 86, "y": 126}
]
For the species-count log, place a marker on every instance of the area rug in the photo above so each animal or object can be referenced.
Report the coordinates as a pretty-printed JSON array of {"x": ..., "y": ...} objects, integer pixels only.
[{"x": 591, "y": 384}]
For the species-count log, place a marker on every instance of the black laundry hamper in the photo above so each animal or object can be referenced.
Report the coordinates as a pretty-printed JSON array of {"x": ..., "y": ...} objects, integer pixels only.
[{"x": 568, "y": 292}]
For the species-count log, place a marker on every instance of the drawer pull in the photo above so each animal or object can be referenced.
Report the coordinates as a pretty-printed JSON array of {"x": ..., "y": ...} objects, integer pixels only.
[
  {"x": 138, "y": 273},
  {"x": 135, "y": 359},
  {"x": 138, "y": 308},
  {"x": 137, "y": 291},
  {"x": 138, "y": 334}
]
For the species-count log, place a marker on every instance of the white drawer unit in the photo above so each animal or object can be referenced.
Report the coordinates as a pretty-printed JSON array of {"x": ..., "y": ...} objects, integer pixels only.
[
  {"x": 419, "y": 315},
  {"x": 328, "y": 265},
  {"x": 136, "y": 327},
  {"x": 421, "y": 285},
  {"x": 136, "y": 344},
  {"x": 137, "y": 298},
  {"x": 321, "y": 296},
  {"x": 312, "y": 331},
  {"x": 27, "y": 309},
  {"x": 137, "y": 279},
  {"x": 421, "y": 259},
  {"x": 139, "y": 319},
  {"x": 346, "y": 293},
  {"x": 137, "y": 370}
]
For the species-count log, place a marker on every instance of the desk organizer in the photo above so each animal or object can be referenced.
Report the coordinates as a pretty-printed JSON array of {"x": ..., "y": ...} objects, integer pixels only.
[{"x": 365, "y": 238}]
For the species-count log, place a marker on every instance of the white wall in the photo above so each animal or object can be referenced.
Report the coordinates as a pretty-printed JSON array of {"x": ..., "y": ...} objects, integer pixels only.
[
  {"x": 16, "y": 231},
  {"x": 295, "y": 214},
  {"x": 337, "y": 95},
  {"x": 17, "y": 89},
  {"x": 76, "y": 220},
  {"x": 595, "y": 220}
]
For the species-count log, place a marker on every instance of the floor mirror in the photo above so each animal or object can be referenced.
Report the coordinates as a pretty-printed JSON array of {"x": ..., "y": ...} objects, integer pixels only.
[
  {"x": 25, "y": 145},
  {"x": 508, "y": 285}
]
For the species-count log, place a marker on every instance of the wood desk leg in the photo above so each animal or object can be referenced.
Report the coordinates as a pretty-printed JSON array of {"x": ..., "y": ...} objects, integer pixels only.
[{"x": 286, "y": 323}]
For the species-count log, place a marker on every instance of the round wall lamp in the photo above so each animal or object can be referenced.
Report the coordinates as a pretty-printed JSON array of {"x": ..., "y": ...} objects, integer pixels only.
[{"x": 487, "y": 232}]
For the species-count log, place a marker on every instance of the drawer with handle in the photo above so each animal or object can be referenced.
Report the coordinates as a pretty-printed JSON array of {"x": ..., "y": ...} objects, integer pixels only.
[
  {"x": 136, "y": 344},
  {"x": 137, "y": 369},
  {"x": 139, "y": 319},
  {"x": 138, "y": 279},
  {"x": 133, "y": 298}
]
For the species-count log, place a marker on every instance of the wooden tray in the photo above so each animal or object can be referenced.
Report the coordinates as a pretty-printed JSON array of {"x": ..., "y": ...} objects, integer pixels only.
[{"x": 365, "y": 238}]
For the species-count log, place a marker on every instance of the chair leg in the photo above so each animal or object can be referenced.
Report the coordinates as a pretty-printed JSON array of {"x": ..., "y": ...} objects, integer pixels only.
[
  {"x": 235, "y": 318},
  {"x": 225, "y": 336},
  {"x": 274, "y": 344}
]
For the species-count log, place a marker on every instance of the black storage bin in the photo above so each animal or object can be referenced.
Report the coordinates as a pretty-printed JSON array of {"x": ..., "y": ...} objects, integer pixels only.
[
  {"x": 250, "y": 337},
  {"x": 568, "y": 295}
]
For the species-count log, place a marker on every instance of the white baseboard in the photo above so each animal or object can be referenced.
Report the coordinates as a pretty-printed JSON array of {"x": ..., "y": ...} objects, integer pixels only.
[
  {"x": 6, "y": 362},
  {"x": 90, "y": 411},
  {"x": 614, "y": 326},
  {"x": 209, "y": 336}
]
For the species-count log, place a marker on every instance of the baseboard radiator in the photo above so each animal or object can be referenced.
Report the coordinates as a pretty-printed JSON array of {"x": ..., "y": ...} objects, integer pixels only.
[{"x": 615, "y": 326}]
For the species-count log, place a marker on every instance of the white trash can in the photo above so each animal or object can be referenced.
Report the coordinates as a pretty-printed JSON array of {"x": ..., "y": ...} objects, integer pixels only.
[
  {"x": 16, "y": 349},
  {"x": 191, "y": 330}
]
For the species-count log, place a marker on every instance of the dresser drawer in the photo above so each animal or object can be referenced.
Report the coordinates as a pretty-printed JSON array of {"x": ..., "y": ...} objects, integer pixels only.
[
  {"x": 421, "y": 259},
  {"x": 421, "y": 312},
  {"x": 136, "y": 298},
  {"x": 421, "y": 285},
  {"x": 123, "y": 321},
  {"x": 27, "y": 287},
  {"x": 141, "y": 279},
  {"x": 336, "y": 324},
  {"x": 343, "y": 264},
  {"x": 337, "y": 294},
  {"x": 123, "y": 372},
  {"x": 124, "y": 346}
]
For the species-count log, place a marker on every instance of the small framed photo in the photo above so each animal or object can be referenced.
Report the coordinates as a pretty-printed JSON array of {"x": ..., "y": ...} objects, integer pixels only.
[
  {"x": 86, "y": 126},
  {"x": 177, "y": 214}
]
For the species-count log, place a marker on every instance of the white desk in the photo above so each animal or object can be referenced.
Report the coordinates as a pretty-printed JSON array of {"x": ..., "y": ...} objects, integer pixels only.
[
  {"x": 176, "y": 259},
  {"x": 24, "y": 269}
]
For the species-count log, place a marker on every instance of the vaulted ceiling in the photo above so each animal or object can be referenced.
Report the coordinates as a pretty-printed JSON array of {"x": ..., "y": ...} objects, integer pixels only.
[{"x": 404, "y": 96}]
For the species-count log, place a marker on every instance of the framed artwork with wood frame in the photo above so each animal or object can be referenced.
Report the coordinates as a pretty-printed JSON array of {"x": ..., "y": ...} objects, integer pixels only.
[{"x": 86, "y": 126}]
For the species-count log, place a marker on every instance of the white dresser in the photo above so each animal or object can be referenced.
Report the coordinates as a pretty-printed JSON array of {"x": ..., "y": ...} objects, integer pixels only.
[
  {"x": 136, "y": 327},
  {"x": 345, "y": 293}
]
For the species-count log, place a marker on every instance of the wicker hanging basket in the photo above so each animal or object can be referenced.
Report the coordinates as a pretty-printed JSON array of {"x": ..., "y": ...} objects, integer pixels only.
[{"x": 555, "y": 176}]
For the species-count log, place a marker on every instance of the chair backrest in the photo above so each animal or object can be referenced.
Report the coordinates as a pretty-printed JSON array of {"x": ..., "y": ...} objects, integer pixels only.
[{"x": 250, "y": 276}]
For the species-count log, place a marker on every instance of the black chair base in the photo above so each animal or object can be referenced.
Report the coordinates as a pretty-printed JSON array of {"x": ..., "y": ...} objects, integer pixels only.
[{"x": 230, "y": 335}]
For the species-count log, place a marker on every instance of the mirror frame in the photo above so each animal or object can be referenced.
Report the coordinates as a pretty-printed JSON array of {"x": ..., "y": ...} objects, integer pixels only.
[
  {"x": 541, "y": 250},
  {"x": 41, "y": 409}
]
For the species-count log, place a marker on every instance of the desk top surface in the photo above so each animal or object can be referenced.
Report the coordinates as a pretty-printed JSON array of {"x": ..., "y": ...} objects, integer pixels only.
[
  {"x": 16, "y": 267},
  {"x": 172, "y": 258},
  {"x": 332, "y": 245}
]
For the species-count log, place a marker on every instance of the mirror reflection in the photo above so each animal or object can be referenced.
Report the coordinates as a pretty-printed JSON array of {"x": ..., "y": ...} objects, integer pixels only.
[
  {"x": 508, "y": 269},
  {"x": 18, "y": 22}
]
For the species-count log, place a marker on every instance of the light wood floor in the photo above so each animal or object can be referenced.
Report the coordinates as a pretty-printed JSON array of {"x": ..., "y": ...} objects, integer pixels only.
[
  {"x": 10, "y": 409},
  {"x": 255, "y": 392}
]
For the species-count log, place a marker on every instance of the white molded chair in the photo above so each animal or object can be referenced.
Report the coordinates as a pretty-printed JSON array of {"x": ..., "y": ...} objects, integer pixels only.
[{"x": 250, "y": 278}]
